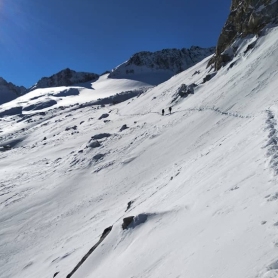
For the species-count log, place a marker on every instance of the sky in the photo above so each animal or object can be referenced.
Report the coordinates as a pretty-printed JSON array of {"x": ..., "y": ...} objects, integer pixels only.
[{"x": 41, "y": 37}]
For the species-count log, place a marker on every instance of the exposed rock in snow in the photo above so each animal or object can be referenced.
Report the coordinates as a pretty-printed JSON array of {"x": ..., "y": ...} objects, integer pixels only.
[
  {"x": 164, "y": 63},
  {"x": 9, "y": 91},
  {"x": 93, "y": 144},
  {"x": 184, "y": 90},
  {"x": 246, "y": 17},
  {"x": 101, "y": 136},
  {"x": 103, "y": 116},
  {"x": 103, "y": 236},
  {"x": 65, "y": 77},
  {"x": 98, "y": 156},
  {"x": 127, "y": 221},
  {"x": 124, "y": 127}
]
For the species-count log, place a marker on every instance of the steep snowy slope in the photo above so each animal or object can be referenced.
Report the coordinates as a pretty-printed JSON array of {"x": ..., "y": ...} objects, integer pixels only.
[{"x": 202, "y": 182}]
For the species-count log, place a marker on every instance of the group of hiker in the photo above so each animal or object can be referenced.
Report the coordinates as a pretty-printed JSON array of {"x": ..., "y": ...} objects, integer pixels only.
[{"x": 170, "y": 110}]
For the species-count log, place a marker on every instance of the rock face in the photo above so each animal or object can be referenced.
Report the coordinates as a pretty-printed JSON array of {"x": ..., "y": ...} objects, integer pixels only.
[
  {"x": 167, "y": 61},
  {"x": 66, "y": 77},
  {"x": 9, "y": 91},
  {"x": 246, "y": 17}
]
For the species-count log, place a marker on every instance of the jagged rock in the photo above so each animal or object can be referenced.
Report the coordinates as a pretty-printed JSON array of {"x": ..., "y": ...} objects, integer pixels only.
[
  {"x": 103, "y": 116},
  {"x": 70, "y": 127},
  {"x": 124, "y": 127},
  {"x": 9, "y": 91},
  {"x": 98, "y": 156},
  {"x": 66, "y": 77},
  {"x": 93, "y": 144},
  {"x": 133, "y": 221},
  {"x": 169, "y": 61},
  {"x": 209, "y": 77},
  {"x": 127, "y": 221},
  {"x": 185, "y": 90},
  {"x": 250, "y": 46},
  {"x": 246, "y": 17},
  {"x": 101, "y": 136},
  {"x": 129, "y": 205},
  {"x": 103, "y": 236}
]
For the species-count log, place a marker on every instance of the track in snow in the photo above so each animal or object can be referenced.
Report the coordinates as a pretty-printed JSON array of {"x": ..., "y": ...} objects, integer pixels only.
[{"x": 200, "y": 109}]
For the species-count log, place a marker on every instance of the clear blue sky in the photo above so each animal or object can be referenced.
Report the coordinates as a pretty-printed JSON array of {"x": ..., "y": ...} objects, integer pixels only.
[{"x": 41, "y": 37}]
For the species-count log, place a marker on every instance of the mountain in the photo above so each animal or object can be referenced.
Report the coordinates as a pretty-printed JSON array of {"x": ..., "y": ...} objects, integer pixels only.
[
  {"x": 9, "y": 91},
  {"x": 246, "y": 18},
  {"x": 157, "y": 67},
  {"x": 66, "y": 77},
  {"x": 113, "y": 190}
]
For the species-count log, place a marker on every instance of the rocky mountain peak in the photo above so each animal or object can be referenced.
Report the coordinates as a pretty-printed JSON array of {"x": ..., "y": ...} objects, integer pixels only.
[
  {"x": 66, "y": 77},
  {"x": 245, "y": 18},
  {"x": 9, "y": 91},
  {"x": 166, "y": 62}
]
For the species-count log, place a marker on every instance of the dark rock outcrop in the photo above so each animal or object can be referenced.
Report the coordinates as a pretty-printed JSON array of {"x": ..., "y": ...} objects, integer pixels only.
[
  {"x": 124, "y": 127},
  {"x": 129, "y": 205},
  {"x": 103, "y": 236},
  {"x": 98, "y": 156},
  {"x": 132, "y": 222},
  {"x": 93, "y": 144},
  {"x": 127, "y": 221},
  {"x": 183, "y": 91},
  {"x": 103, "y": 116},
  {"x": 165, "y": 63},
  {"x": 9, "y": 91},
  {"x": 66, "y": 77},
  {"x": 246, "y": 18},
  {"x": 100, "y": 136}
]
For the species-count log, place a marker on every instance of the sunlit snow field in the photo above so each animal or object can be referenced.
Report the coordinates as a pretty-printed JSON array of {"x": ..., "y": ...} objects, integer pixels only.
[{"x": 204, "y": 178}]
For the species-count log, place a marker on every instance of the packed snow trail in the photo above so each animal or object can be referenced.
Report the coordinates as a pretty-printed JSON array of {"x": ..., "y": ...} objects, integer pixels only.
[{"x": 232, "y": 114}]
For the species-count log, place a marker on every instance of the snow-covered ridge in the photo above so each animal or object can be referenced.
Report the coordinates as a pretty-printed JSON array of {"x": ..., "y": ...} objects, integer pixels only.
[
  {"x": 164, "y": 64},
  {"x": 9, "y": 91},
  {"x": 65, "y": 77}
]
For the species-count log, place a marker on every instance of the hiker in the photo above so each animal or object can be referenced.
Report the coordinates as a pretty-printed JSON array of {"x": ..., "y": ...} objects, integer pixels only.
[
  {"x": 162, "y": 112},
  {"x": 170, "y": 109}
]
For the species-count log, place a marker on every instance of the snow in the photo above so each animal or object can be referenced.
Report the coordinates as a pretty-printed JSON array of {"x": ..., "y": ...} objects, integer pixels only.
[
  {"x": 43, "y": 99},
  {"x": 202, "y": 182}
]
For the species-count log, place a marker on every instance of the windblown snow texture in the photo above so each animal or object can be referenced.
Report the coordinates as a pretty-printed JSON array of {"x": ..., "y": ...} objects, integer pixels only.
[{"x": 200, "y": 185}]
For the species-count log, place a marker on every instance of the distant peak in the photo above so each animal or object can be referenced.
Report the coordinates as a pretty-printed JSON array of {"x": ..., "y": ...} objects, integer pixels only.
[
  {"x": 166, "y": 62},
  {"x": 65, "y": 77}
]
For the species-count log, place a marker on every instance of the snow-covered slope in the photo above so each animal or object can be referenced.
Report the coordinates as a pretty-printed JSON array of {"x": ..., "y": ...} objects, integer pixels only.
[
  {"x": 9, "y": 91},
  {"x": 157, "y": 67},
  {"x": 202, "y": 182},
  {"x": 40, "y": 100}
]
